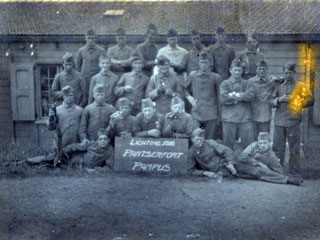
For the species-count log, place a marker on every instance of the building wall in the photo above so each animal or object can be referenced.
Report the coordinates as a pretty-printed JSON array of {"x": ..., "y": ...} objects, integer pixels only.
[{"x": 35, "y": 131}]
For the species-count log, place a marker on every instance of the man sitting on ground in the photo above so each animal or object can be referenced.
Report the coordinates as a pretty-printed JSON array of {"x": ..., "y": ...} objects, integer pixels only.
[
  {"x": 209, "y": 158},
  {"x": 260, "y": 162}
]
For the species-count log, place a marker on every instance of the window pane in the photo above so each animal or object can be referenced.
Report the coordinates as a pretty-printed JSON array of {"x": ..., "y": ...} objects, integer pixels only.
[{"x": 47, "y": 74}]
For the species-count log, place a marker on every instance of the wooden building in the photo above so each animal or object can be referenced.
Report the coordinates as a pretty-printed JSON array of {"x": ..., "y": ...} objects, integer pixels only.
[{"x": 35, "y": 35}]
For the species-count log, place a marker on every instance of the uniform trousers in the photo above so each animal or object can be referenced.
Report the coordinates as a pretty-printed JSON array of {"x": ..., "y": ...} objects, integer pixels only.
[{"x": 244, "y": 130}]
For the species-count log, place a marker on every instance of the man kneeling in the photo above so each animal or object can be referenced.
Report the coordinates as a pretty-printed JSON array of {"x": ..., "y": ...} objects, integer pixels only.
[
  {"x": 94, "y": 154},
  {"x": 260, "y": 162},
  {"x": 209, "y": 158}
]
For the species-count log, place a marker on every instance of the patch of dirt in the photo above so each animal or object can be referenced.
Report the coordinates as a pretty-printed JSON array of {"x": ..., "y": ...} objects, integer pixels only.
[{"x": 118, "y": 206}]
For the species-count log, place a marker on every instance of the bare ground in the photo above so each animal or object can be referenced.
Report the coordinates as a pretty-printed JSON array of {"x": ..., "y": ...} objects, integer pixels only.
[{"x": 118, "y": 206}]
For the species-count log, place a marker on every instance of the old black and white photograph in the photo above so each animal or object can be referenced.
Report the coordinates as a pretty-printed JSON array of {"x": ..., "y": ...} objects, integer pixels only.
[{"x": 168, "y": 119}]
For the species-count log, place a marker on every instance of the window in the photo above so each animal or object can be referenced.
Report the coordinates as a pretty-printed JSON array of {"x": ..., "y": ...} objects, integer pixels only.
[{"x": 46, "y": 73}]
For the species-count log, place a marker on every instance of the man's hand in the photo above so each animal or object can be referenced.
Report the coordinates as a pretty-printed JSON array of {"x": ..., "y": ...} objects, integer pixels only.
[
  {"x": 128, "y": 88},
  {"x": 192, "y": 101},
  {"x": 116, "y": 115},
  {"x": 160, "y": 88},
  {"x": 169, "y": 92},
  {"x": 84, "y": 142},
  {"x": 154, "y": 133},
  {"x": 51, "y": 112},
  {"x": 284, "y": 98},
  {"x": 210, "y": 174},
  {"x": 231, "y": 168},
  {"x": 125, "y": 134}
]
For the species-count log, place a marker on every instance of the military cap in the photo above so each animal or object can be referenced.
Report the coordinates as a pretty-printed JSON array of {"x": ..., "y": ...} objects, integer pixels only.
[
  {"x": 264, "y": 136},
  {"x": 67, "y": 90},
  {"x": 91, "y": 32},
  {"x": 102, "y": 131},
  {"x": 99, "y": 88},
  {"x": 147, "y": 103},
  {"x": 152, "y": 27},
  {"x": 198, "y": 132},
  {"x": 136, "y": 57},
  {"x": 120, "y": 32},
  {"x": 290, "y": 66},
  {"x": 123, "y": 102},
  {"x": 68, "y": 58},
  {"x": 236, "y": 63},
  {"x": 195, "y": 32},
  {"x": 176, "y": 100},
  {"x": 262, "y": 63},
  {"x": 203, "y": 56},
  {"x": 162, "y": 60},
  {"x": 220, "y": 30},
  {"x": 172, "y": 33}
]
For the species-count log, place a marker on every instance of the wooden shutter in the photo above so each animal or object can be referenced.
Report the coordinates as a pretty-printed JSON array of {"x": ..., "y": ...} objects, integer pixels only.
[{"x": 22, "y": 92}]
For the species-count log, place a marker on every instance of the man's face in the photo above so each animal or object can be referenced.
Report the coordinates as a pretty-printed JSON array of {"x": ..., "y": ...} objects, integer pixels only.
[
  {"x": 236, "y": 72},
  {"x": 252, "y": 44},
  {"x": 104, "y": 65},
  {"x": 196, "y": 40},
  {"x": 68, "y": 99},
  {"x": 261, "y": 71},
  {"x": 197, "y": 141},
  {"x": 288, "y": 75},
  {"x": 172, "y": 41},
  {"x": 264, "y": 145},
  {"x": 164, "y": 68},
  {"x": 152, "y": 34},
  {"x": 125, "y": 110},
  {"x": 91, "y": 40},
  {"x": 121, "y": 40},
  {"x": 99, "y": 97},
  {"x": 148, "y": 112},
  {"x": 68, "y": 67},
  {"x": 221, "y": 37},
  {"x": 103, "y": 141},
  {"x": 137, "y": 65},
  {"x": 204, "y": 65},
  {"x": 177, "y": 108}
]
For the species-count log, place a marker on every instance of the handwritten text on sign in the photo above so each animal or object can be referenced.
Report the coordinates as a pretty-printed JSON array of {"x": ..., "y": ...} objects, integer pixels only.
[{"x": 151, "y": 155}]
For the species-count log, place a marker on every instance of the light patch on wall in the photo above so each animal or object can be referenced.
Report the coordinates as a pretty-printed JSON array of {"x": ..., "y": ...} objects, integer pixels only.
[
  {"x": 302, "y": 93},
  {"x": 114, "y": 13}
]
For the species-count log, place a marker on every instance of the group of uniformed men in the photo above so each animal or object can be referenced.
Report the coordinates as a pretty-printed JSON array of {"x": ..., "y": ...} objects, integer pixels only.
[{"x": 175, "y": 93}]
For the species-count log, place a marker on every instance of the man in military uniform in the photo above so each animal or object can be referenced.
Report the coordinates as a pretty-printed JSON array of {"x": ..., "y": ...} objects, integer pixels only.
[
  {"x": 250, "y": 56},
  {"x": 235, "y": 97},
  {"x": 149, "y": 50},
  {"x": 133, "y": 85},
  {"x": 66, "y": 121},
  {"x": 163, "y": 86},
  {"x": 87, "y": 61},
  {"x": 287, "y": 124},
  {"x": 222, "y": 55},
  {"x": 105, "y": 77},
  {"x": 263, "y": 86},
  {"x": 70, "y": 77},
  {"x": 149, "y": 121},
  {"x": 193, "y": 54},
  {"x": 202, "y": 90},
  {"x": 260, "y": 162},
  {"x": 209, "y": 158},
  {"x": 120, "y": 54},
  {"x": 95, "y": 116},
  {"x": 178, "y": 123},
  {"x": 122, "y": 123},
  {"x": 93, "y": 154}
]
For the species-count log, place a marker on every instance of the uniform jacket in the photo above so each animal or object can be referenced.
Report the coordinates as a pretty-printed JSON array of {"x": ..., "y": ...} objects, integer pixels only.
[
  {"x": 163, "y": 101},
  {"x": 232, "y": 110},
  {"x": 204, "y": 87},
  {"x": 180, "y": 126},
  {"x": 156, "y": 122},
  {"x": 222, "y": 57},
  {"x": 109, "y": 82},
  {"x": 148, "y": 52},
  {"x": 193, "y": 58},
  {"x": 94, "y": 116},
  {"x": 211, "y": 157},
  {"x": 75, "y": 81},
  {"x": 121, "y": 53},
  {"x": 119, "y": 125},
  {"x": 249, "y": 58}
]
